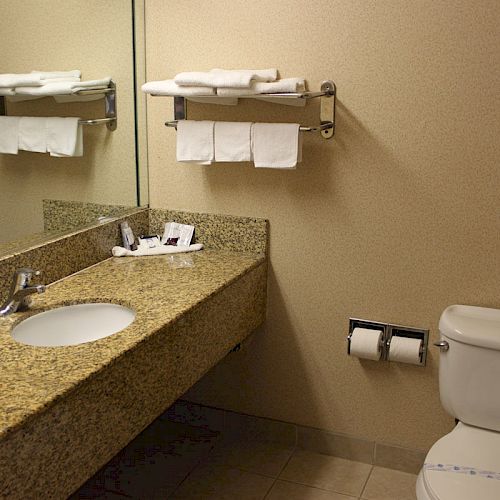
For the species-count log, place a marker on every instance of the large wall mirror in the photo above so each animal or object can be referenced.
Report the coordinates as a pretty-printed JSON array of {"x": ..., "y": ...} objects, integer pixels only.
[{"x": 43, "y": 196}]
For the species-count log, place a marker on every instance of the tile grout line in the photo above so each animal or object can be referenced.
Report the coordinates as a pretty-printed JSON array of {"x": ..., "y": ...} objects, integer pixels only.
[
  {"x": 366, "y": 482},
  {"x": 283, "y": 468}
]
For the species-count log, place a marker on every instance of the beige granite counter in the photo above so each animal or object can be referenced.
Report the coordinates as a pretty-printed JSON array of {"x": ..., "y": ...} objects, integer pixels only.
[{"x": 66, "y": 411}]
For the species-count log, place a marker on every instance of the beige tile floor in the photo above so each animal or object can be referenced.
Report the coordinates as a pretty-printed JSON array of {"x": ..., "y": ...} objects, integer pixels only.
[{"x": 177, "y": 461}]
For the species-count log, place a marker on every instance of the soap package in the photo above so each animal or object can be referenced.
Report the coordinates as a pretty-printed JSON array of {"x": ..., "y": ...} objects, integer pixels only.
[{"x": 177, "y": 234}]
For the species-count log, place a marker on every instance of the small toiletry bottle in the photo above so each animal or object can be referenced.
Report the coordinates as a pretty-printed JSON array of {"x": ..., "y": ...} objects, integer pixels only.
[{"x": 128, "y": 236}]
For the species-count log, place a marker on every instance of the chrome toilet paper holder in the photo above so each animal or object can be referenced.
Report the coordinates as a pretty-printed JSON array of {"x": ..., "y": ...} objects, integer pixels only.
[
  {"x": 372, "y": 325},
  {"x": 412, "y": 333},
  {"x": 388, "y": 331}
]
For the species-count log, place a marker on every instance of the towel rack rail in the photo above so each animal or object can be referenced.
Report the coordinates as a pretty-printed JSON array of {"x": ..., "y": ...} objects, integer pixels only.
[
  {"x": 327, "y": 95},
  {"x": 110, "y": 120},
  {"x": 302, "y": 128}
]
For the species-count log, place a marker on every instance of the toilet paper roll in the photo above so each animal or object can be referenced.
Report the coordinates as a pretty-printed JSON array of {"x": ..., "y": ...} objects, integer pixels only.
[
  {"x": 405, "y": 350},
  {"x": 365, "y": 343}
]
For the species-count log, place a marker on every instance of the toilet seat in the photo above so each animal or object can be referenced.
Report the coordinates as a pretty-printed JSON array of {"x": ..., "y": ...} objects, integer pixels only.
[{"x": 465, "y": 446}]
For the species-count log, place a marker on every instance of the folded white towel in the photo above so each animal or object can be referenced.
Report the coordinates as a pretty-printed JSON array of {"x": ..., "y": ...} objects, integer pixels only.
[
  {"x": 33, "y": 134},
  {"x": 226, "y": 101},
  {"x": 195, "y": 141},
  {"x": 9, "y": 134},
  {"x": 279, "y": 86},
  {"x": 164, "y": 249},
  {"x": 169, "y": 87},
  {"x": 225, "y": 78},
  {"x": 275, "y": 145},
  {"x": 75, "y": 73},
  {"x": 20, "y": 79},
  {"x": 64, "y": 136},
  {"x": 232, "y": 141},
  {"x": 61, "y": 88}
]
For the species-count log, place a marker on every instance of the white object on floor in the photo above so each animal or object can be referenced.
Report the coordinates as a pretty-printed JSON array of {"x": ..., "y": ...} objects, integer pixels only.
[
  {"x": 275, "y": 145},
  {"x": 64, "y": 137},
  {"x": 20, "y": 79},
  {"x": 240, "y": 78},
  {"x": 163, "y": 250},
  {"x": 195, "y": 141},
  {"x": 232, "y": 141},
  {"x": 65, "y": 87},
  {"x": 32, "y": 134},
  {"x": 286, "y": 85},
  {"x": 9, "y": 134},
  {"x": 169, "y": 87}
]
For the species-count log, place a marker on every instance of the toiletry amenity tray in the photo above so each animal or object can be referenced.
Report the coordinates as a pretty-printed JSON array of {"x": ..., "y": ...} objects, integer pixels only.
[
  {"x": 110, "y": 118},
  {"x": 327, "y": 94}
]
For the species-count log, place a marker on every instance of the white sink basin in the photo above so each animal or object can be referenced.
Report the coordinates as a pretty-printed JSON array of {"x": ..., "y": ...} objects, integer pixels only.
[{"x": 71, "y": 325}]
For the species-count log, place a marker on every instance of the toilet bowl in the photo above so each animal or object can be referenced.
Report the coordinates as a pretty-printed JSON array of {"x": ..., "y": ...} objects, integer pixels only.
[
  {"x": 470, "y": 466},
  {"x": 465, "y": 464}
]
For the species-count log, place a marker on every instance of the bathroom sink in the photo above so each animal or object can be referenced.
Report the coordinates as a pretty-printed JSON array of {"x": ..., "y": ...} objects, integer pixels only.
[{"x": 72, "y": 325}]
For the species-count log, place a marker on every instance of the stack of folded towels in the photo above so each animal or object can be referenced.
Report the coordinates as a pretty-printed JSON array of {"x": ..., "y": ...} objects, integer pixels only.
[
  {"x": 57, "y": 136},
  {"x": 227, "y": 83},
  {"x": 268, "y": 145},
  {"x": 62, "y": 85}
]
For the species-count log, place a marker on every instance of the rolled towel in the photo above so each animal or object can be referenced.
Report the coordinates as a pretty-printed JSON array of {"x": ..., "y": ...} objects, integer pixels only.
[
  {"x": 20, "y": 79},
  {"x": 64, "y": 137},
  {"x": 169, "y": 87},
  {"x": 163, "y": 250},
  {"x": 33, "y": 134},
  {"x": 232, "y": 141},
  {"x": 287, "y": 85},
  {"x": 61, "y": 88},
  {"x": 221, "y": 78},
  {"x": 195, "y": 141},
  {"x": 9, "y": 134},
  {"x": 275, "y": 145}
]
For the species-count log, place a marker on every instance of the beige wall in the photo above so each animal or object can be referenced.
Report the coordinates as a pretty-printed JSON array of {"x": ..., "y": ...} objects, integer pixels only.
[
  {"x": 393, "y": 220},
  {"x": 95, "y": 37}
]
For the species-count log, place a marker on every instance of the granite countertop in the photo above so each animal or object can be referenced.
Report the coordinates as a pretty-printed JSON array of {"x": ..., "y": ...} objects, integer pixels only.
[{"x": 160, "y": 289}]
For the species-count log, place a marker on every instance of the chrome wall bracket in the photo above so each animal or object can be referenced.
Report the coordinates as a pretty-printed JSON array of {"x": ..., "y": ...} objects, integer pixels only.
[{"x": 327, "y": 108}]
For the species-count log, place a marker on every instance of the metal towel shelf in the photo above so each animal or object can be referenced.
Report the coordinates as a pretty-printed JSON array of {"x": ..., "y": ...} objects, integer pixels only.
[
  {"x": 327, "y": 95},
  {"x": 110, "y": 119}
]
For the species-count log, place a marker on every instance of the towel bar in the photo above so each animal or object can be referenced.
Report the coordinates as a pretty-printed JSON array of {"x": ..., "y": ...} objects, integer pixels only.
[
  {"x": 319, "y": 128},
  {"x": 327, "y": 95},
  {"x": 109, "y": 106}
]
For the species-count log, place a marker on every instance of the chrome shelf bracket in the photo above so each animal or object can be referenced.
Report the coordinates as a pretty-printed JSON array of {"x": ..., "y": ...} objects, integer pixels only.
[{"x": 327, "y": 108}]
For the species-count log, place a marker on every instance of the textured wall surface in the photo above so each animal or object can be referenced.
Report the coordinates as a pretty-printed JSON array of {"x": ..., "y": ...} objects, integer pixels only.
[
  {"x": 95, "y": 37},
  {"x": 393, "y": 220}
]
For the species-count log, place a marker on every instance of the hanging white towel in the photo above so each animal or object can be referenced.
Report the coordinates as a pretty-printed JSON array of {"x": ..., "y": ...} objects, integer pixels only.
[
  {"x": 32, "y": 134},
  {"x": 232, "y": 141},
  {"x": 279, "y": 86},
  {"x": 275, "y": 145},
  {"x": 20, "y": 79},
  {"x": 195, "y": 141},
  {"x": 62, "y": 88},
  {"x": 9, "y": 134},
  {"x": 169, "y": 87},
  {"x": 64, "y": 137},
  {"x": 225, "y": 78}
]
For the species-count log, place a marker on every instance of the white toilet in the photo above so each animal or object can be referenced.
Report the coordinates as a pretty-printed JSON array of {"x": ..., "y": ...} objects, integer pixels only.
[{"x": 465, "y": 464}]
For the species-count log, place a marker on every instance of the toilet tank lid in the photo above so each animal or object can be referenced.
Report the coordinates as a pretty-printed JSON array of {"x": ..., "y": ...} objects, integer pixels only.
[{"x": 479, "y": 326}]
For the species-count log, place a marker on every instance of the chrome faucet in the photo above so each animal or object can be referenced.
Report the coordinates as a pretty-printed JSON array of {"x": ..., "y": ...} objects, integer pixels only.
[{"x": 20, "y": 291}]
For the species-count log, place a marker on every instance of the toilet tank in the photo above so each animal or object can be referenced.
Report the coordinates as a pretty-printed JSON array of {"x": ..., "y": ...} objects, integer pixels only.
[{"x": 469, "y": 371}]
